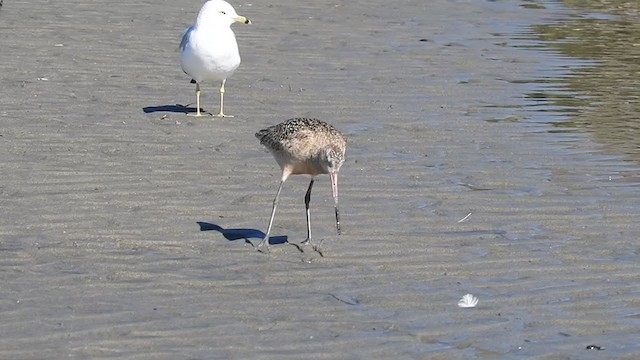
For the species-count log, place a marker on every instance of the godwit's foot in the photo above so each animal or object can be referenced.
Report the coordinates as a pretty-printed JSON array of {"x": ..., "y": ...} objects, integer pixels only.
[
  {"x": 222, "y": 115},
  {"x": 198, "y": 114},
  {"x": 297, "y": 246},
  {"x": 315, "y": 247},
  {"x": 264, "y": 246}
]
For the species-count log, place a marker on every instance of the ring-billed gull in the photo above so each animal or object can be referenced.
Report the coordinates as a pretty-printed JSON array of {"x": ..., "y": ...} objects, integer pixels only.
[{"x": 208, "y": 50}]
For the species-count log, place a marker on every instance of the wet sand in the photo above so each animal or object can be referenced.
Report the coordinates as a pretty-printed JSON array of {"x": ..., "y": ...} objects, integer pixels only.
[{"x": 122, "y": 219}]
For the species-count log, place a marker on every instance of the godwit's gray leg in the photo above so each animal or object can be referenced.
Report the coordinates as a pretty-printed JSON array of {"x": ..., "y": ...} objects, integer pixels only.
[
  {"x": 307, "y": 200},
  {"x": 265, "y": 240}
]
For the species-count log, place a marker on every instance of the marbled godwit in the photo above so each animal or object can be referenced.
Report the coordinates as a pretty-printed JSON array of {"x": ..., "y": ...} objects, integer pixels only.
[
  {"x": 305, "y": 146},
  {"x": 208, "y": 50}
]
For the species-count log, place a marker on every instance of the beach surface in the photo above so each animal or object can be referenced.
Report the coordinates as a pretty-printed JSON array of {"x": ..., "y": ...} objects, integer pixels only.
[{"x": 126, "y": 227}]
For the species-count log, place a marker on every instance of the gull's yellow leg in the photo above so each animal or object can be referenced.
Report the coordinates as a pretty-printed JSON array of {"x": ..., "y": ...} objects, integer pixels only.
[
  {"x": 222, "y": 114},
  {"x": 197, "y": 114}
]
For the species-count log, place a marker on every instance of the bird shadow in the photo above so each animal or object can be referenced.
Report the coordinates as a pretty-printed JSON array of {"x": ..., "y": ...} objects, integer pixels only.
[
  {"x": 246, "y": 234},
  {"x": 177, "y": 108}
]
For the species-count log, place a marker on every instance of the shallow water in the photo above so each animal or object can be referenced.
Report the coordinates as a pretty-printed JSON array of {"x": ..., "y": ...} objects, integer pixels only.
[{"x": 598, "y": 92}]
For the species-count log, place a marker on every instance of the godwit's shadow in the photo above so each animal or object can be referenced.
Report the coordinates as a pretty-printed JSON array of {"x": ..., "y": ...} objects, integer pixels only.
[
  {"x": 177, "y": 108},
  {"x": 246, "y": 234}
]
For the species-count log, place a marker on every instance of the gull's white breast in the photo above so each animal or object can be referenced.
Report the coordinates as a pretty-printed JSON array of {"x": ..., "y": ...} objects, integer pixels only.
[{"x": 209, "y": 53}]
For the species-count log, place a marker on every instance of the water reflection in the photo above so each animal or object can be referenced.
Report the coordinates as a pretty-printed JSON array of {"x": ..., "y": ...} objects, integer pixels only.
[{"x": 602, "y": 96}]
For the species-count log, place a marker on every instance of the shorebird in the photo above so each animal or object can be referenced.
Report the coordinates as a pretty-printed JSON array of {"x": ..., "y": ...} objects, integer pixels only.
[
  {"x": 304, "y": 146},
  {"x": 208, "y": 49}
]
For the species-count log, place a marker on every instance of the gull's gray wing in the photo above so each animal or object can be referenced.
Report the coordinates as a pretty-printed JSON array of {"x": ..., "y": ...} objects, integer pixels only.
[{"x": 185, "y": 37}]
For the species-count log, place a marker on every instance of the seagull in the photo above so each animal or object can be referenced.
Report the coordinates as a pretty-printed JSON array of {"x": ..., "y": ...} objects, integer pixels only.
[{"x": 208, "y": 50}]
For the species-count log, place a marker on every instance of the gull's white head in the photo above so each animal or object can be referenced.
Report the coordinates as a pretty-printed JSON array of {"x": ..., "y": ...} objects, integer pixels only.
[{"x": 219, "y": 12}]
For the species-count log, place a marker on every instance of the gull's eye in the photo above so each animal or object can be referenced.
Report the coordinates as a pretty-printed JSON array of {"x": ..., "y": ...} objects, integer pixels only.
[{"x": 223, "y": 13}]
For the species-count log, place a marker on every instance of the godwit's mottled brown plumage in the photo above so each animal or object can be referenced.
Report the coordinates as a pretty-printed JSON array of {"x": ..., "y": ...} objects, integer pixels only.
[{"x": 305, "y": 146}]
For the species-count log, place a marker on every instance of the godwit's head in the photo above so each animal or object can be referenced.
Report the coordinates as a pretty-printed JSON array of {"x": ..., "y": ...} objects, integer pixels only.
[{"x": 331, "y": 159}]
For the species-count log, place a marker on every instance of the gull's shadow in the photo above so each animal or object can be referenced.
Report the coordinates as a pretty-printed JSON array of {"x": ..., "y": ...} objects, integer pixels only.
[
  {"x": 246, "y": 234},
  {"x": 177, "y": 108}
]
